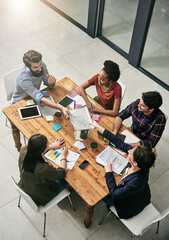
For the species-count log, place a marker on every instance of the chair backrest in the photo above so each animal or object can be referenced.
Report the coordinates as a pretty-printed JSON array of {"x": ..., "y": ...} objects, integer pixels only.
[
  {"x": 161, "y": 215},
  {"x": 9, "y": 80},
  {"x": 123, "y": 88},
  {"x": 27, "y": 198}
]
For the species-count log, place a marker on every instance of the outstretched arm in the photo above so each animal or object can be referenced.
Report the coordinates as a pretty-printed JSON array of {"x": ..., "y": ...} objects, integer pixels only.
[
  {"x": 52, "y": 104},
  {"x": 82, "y": 91}
]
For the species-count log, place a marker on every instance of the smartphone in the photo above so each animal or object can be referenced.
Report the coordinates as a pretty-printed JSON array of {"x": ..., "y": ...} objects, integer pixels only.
[
  {"x": 121, "y": 136},
  {"x": 84, "y": 164}
]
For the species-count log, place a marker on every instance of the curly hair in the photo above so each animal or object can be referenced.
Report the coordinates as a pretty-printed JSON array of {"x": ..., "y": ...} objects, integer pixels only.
[
  {"x": 112, "y": 70},
  {"x": 31, "y": 56},
  {"x": 152, "y": 99}
]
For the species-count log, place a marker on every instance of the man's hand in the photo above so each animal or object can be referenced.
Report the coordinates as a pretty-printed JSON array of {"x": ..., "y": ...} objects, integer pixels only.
[
  {"x": 51, "y": 80},
  {"x": 108, "y": 167},
  {"x": 66, "y": 112}
]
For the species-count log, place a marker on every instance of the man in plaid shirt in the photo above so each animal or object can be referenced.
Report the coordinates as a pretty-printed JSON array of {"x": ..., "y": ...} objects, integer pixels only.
[{"x": 148, "y": 121}]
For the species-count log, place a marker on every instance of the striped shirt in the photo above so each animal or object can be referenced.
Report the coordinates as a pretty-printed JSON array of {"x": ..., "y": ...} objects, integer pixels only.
[{"x": 148, "y": 128}]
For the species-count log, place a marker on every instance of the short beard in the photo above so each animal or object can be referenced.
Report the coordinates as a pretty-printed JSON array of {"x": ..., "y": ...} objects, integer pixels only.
[{"x": 35, "y": 74}]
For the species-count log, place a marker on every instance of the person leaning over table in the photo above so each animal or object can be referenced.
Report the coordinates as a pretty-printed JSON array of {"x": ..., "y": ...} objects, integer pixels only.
[
  {"x": 148, "y": 121},
  {"x": 38, "y": 179},
  {"x": 132, "y": 194},
  {"x": 108, "y": 90},
  {"x": 28, "y": 83}
]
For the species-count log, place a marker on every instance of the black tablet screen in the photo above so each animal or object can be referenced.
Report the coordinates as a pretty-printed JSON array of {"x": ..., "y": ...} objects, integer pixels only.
[
  {"x": 29, "y": 112},
  {"x": 65, "y": 101}
]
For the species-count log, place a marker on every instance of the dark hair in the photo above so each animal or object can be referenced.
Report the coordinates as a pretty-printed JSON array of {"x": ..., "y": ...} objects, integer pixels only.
[
  {"x": 31, "y": 56},
  {"x": 152, "y": 99},
  {"x": 36, "y": 146},
  {"x": 112, "y": 70},
  {"x": 144, "y": 157}
]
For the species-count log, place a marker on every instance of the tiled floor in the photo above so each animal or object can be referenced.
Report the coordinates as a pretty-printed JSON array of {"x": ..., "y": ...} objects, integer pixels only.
[{"x": 68, "y": 52}]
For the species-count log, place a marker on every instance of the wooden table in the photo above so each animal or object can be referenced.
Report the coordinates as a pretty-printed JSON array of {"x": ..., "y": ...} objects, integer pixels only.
[{"x": 89, "y": 183}]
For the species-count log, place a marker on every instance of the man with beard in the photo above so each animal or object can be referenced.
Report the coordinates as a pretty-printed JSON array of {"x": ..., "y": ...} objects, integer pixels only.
[
  {"x": 148, "y": 121},
  {"x": 28, "y": 83}
]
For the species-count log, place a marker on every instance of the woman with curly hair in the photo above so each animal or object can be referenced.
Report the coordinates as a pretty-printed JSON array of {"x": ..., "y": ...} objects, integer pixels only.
[{"x": 108, "y": 90}]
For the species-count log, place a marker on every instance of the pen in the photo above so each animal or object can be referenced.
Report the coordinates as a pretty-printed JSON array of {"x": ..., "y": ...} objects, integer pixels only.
[{"x": 73, "y": 161}]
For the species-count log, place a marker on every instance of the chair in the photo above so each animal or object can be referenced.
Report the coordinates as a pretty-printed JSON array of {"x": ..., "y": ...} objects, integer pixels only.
[
  {"x": 140, "y": 223},
  {"x": 9, "y": 81},
  {"x": 42, "y": 209},
  {"x": 123, "y": 88}
]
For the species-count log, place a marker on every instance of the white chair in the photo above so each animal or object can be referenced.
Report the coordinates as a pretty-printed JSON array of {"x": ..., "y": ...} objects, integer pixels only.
[
  {"x": 9, "y": 81},
  {"x": 140, "y": 223},
  {"x": 123, "y": 88},
  {"x": 42, "y": 209}
]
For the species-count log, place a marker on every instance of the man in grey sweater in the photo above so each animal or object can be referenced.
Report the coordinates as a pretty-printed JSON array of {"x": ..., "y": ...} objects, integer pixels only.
[{"x": 28, "y": 83}]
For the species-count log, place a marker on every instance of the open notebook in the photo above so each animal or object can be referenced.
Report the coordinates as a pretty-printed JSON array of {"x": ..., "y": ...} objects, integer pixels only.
[{"x": 109, "y": 155}]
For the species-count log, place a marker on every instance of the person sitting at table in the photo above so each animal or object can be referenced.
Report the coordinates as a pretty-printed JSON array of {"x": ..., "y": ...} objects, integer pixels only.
[
  {"x": 108, "y": 90},
  {"x": 148, "y": 121},
  {"x": 132, "y": 194},
  {"x": 38, "y": 179},
  {"x": 28, "y": 83}
]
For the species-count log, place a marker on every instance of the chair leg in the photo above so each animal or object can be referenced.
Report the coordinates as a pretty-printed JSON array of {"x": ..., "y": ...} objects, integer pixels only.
[
  {"x": 44, "y": 225},
  {"x": 158, "y": 224},
  {"x": 132, "y": 235},
  {"x": 19, "y": 200},
  {"x": 24, "y": 138},
  {"x": 104, "y": 218},
  {"x": 71, "y": 203},
  {"x": 6, "y": 122}
]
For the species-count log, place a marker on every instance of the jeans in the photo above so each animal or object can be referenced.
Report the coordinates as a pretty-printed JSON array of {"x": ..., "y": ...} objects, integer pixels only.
[{"x": 62, "y": 184}]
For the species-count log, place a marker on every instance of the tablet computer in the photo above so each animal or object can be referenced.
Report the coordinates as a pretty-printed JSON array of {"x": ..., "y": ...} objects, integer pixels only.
[
  {"x": 29, "y": 112},
  {"x": 66, "y": 101}
]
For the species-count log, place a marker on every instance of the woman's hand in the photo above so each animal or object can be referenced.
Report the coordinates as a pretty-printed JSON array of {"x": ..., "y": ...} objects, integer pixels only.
[
  {"x": 89, "y": 106},
  {"x": 108, "y": 167},
  {"x": 64, "y": 152},
  {"x": 94, "y": 124},
  {"x": 58, "y": 143},
  {"x": 97, "y": 126}
]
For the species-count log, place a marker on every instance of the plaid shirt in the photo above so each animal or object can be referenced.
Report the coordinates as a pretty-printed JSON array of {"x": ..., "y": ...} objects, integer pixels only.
[{"x": 148, "y": 128}]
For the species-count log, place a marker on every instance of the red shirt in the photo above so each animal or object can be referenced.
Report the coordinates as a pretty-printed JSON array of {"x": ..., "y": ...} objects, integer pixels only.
[{"x": 106, "y": 100}]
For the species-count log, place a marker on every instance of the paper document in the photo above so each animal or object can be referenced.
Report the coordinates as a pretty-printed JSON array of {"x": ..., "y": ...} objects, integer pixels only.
[
  {"x": 109, "y": 155},
  {"x": 130, "y": 138},
  {"x": 79, "y": 100},
  {"x": 45, "y": 110},
  {"x": 81, "y": 119},
  {"x": 55, "y": 156}
]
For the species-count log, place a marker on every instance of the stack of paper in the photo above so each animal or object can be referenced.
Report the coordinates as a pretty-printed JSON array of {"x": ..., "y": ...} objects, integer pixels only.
[{"x": 109, "y": 155}]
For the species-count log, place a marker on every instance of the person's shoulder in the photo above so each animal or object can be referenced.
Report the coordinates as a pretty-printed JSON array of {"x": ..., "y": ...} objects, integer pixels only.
[
  {"x": 23, "y": 74},
  {"x": 94, "y": 78},
  {"x": 161, "y": 115}
]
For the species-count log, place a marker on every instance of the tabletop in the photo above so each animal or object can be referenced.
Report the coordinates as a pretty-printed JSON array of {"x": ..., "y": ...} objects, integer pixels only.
[{"x": 89, "y": 183}]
